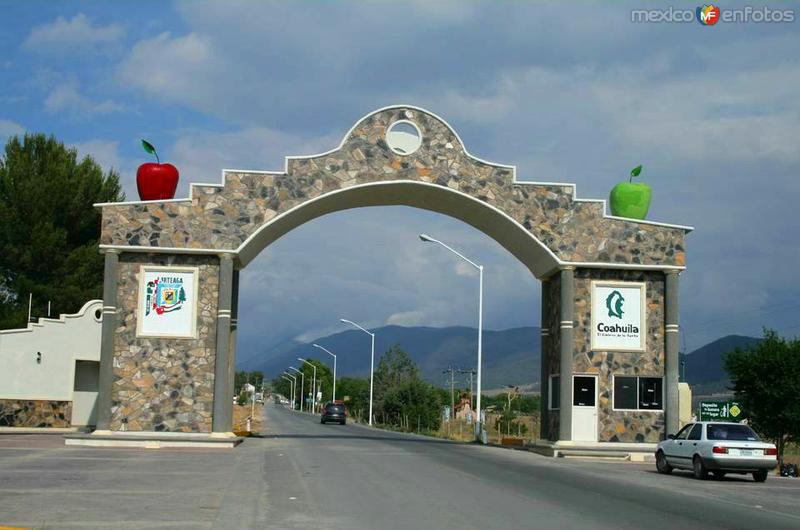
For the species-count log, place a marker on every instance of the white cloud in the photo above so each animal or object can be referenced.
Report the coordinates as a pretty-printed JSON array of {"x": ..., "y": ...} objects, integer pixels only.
[
  {"x": 201, "y": 155},
  {"x": 10, "y": 128},
  {"x": 104, "y": 152},
  {"x": 107, "y": 154},
  {"x": 78, "y": 33},
  {"x": 415, "y": 317},
  {"x": 745, "y": 116},
  {"x": 187, "y": 70},
  {"x": 66, "y": 98}
]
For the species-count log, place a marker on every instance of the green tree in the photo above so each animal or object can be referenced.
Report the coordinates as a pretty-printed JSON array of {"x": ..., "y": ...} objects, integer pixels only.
[
  {"x": 282, "y": 386},
  {"x": 255, "y": 378},
  {"x": 766, "y": 380},
  {"x": 354, "y": 391},
  {"x": 324, "y": 379},
  {"x": 394, "y": 368},
  {"x": 49, "y": 228},
  {"x": 413, "y": 403}
]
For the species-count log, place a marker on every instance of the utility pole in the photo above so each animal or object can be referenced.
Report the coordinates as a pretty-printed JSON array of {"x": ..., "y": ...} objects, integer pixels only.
[
  {"x": 452, "y": 372},
  {"x": 471, "y": 373}
]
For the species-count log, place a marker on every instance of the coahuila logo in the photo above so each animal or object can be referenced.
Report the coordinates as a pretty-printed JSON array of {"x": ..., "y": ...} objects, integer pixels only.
[
  {"x": 614, "y": 302},
  {"x": 708, "y": 15}
]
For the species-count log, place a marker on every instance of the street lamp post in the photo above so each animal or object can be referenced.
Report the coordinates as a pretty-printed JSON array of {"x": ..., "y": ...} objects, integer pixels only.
[
  {"x": 371, "y": 362},
  {"x": 302, "y": 386},
  {"x": 293, "y": 382},
  {"x": 428, "y": 239},
  {"x": 334, "y": 367},
  {"x": 313, "y": 385}
]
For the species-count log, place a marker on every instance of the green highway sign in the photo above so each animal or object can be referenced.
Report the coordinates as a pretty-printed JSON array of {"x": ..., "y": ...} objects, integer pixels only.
[{"x": 721, "y": 411}]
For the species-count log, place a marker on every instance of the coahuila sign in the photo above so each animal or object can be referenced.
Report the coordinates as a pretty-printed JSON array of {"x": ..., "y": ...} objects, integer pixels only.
[
  {"x": 167, "y": 302},
  {"x": 618, "y": 316}
]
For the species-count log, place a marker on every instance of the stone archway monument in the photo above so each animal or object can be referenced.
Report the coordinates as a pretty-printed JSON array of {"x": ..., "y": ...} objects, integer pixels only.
[{"x": 609, "y": 296}]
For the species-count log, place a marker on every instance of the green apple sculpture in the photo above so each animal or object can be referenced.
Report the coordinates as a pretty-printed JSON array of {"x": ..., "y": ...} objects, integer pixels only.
[{"x": 631, "y": 199}]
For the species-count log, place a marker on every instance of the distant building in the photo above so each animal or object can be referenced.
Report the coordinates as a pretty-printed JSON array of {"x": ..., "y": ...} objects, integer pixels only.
[
  {"x": 50, "y": 370},
  {"x": 464, "y": 410}
]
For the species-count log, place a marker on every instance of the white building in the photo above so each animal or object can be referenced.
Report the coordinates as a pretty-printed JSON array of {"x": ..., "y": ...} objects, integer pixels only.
[{"x": 49, "y": 370}]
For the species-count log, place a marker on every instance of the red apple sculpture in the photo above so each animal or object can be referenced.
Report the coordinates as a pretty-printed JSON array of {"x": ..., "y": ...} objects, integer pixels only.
[{"x": 156, "y": 181}]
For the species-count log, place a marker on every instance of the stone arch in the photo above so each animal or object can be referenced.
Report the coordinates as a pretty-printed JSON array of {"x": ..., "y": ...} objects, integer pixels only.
[
  {"x": 494, "y": 223},
  {"x": 219, "y": 228}
]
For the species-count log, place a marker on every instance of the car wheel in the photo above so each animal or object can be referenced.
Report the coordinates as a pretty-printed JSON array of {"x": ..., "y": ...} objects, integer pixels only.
[
  {"x": 719, "y": 475},
  {"x": 322, "y": 422},
  {"x": 699, "y": 468},
  {"x": 344, "y": 422},
  {"x": 760, "y": 476},
  {"x": 662, "y": 465}
]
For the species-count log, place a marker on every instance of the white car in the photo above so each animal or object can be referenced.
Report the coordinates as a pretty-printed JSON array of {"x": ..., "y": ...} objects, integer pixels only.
[{"x": 719, "y": 448}]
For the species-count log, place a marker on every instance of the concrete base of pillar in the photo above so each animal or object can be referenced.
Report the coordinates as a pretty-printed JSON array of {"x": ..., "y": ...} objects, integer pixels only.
[
  {"x": 154, "y": 440},
  {"x": 38, "y": 430},
  {"x": 632, "y": 452}
]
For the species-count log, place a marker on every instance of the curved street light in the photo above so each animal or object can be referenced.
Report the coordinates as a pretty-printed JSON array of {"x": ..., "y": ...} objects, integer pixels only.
[
  {"x": 428, "y": 239},
  {"x": 302, "y": 386},
  {"x": 294, "y": 387},
  {"x": 334, "y": 367},
  {"x": 371, "y": 362},
  {"x": 291, "y": 386},
  {"x": 313, "y": 385}
]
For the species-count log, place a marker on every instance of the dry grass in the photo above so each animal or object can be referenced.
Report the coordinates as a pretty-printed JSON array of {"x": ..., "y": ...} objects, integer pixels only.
[
  {"x": 792, "y": 454},
  {"x": 240, "y": 415}
]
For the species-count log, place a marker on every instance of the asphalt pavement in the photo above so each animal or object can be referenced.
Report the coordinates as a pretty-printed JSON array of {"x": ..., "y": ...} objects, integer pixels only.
[{"x": 304, "y": 475}]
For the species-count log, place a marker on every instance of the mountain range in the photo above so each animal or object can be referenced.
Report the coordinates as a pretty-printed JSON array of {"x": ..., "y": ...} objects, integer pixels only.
[{"x": 510, "y": 356}]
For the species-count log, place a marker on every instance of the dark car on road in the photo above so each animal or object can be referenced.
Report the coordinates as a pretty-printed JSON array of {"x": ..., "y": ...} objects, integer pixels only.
[{"x": 334, "y": 412}]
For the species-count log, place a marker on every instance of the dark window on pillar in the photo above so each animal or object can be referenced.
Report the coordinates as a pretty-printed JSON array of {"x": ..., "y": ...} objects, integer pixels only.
[
  {"x": 555, "y": 392},
  {"x": 624, "y": 392},
  {"x": 583, "y": 393},
  {"x": 651, "y": 393}
]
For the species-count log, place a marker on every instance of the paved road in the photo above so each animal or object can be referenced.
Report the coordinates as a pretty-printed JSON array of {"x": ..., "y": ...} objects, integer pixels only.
[{"x": 306, "y": 475}]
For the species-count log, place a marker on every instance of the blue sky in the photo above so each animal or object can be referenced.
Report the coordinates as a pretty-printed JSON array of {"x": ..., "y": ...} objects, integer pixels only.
[{"x": 583, "y": 96}]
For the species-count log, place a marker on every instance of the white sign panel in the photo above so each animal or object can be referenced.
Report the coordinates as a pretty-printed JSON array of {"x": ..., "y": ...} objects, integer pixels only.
[
  {"x": 618, "y": 316},
  {"x": 167, "y": 304}
]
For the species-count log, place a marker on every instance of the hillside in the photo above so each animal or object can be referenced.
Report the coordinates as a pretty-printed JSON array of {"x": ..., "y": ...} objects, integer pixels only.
[
  {"x": 705, "y": 365},
  {"x": 510, "y": 356}
]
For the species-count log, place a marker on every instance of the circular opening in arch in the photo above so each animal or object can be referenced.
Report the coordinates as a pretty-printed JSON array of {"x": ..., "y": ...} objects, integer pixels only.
[
  {"x": 98, "y": 314},
  {"x": 403, "y": 137}
]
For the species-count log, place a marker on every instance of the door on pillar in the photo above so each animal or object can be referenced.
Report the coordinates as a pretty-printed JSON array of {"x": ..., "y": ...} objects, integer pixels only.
[{"x": 584, "y": 408}]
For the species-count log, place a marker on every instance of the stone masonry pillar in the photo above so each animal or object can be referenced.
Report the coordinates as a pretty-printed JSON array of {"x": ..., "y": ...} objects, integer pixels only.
[
  {"x": 566, "y": 310},
  {"x": 544, "y": 379},
  {"x": 106, "y": 376},
  {"x": 222, "y": 421},
  {"x": 671, "y": 357}
]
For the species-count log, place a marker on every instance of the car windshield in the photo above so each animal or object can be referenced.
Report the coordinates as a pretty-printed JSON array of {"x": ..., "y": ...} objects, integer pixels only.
[
  {"x": 335, "y": 408},
  {"x": 716, "y": 431}
]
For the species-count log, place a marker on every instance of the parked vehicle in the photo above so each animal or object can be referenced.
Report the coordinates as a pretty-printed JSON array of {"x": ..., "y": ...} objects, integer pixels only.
[
  {"x": 719, "y": 448},
  {"x": 334, "y": 412}
]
